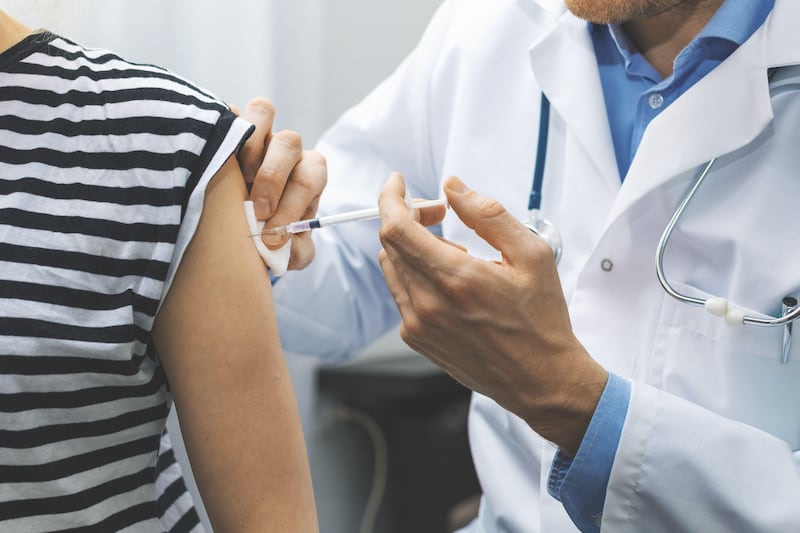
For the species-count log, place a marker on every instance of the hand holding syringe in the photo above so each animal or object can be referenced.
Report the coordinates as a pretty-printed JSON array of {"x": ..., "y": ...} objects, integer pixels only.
[{"x": 351, "y": 216}]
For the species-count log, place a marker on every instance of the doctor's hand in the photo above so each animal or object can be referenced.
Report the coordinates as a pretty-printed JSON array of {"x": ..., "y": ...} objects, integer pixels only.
[
  {"x": 285, "y": 181},
  {"x": 500, "y": 328}
]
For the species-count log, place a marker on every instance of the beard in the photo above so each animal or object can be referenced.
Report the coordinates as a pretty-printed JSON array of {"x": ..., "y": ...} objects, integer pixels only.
[{"x": 621, "y": 11}]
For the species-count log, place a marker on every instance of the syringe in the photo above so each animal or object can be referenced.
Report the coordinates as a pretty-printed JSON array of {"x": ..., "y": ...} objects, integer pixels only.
[{"x": 351, "y": 216}]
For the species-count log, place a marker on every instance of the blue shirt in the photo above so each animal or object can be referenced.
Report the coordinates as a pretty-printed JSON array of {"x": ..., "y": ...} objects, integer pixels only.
[
  {"x": 634, "y": 91},
  {"x": 634, "y": 94}
]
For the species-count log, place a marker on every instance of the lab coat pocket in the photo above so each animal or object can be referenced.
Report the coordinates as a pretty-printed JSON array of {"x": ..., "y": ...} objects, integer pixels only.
[{"x": 732, "y": 370}]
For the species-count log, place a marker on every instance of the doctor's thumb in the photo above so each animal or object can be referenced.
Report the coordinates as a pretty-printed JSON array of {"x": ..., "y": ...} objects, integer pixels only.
[{"x": 487, "y": 217}]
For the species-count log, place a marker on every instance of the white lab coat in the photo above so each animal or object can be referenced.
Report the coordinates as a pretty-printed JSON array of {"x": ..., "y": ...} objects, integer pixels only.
[{"x": 714, "y": 417}]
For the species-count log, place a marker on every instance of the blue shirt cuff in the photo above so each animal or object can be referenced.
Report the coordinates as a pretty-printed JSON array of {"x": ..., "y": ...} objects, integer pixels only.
[{"x": 580, "y": 483}]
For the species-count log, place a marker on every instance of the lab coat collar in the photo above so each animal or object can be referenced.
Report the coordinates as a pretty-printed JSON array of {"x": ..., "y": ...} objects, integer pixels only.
[
  {"x": 783, "y": 48},
  {"x": 710, "y": 120},
  {"x": 565, "y": 67},
  {"x": 534, "y": 8}
]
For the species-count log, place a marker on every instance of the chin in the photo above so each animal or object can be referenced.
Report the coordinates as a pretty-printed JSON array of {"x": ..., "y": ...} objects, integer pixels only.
[{"x": 619, "y": 11}]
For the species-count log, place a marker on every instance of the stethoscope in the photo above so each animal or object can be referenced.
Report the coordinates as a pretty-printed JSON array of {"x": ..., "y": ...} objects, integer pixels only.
[
  {"x": 536, "y": 222},
  {"x": 715, "y": 305}
]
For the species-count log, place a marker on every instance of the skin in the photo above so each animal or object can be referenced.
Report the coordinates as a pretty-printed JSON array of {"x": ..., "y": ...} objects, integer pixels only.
[
  {"x": 11, "y": 31},
  {"x": 502, "y": 328},
  {"x": 508, "y": 335},
  {"x": 275, "y": 166},
  {"x": 659, "y": 29},
  {"x": 448, "y": 299},
  {"x": 217, "y": 338},
  {"x": 218, "y": 341},
  {"x": 285, "y": 181}
]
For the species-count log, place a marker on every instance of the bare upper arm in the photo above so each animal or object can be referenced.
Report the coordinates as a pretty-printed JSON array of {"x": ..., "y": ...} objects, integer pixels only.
[{"x": 217, "y": 339}]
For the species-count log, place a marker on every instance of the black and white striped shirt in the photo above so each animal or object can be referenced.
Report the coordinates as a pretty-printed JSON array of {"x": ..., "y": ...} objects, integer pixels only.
[{"x": 103, "y": 168}]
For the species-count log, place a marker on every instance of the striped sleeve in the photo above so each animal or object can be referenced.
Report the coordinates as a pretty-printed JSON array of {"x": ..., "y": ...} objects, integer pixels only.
[{"x": 103, "y": 167}]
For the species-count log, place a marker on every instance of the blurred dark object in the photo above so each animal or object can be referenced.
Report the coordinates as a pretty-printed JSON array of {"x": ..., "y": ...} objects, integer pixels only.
[{"x": 422, "y": 413}]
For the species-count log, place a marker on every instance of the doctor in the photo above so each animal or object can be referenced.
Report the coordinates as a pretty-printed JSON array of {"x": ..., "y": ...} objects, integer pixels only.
[{"x": 601, "y": 401}]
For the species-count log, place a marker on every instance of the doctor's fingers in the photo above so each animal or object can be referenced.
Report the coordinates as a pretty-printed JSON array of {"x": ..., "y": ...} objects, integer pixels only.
[
  {"x": 302, "y": 190},
  {"x": 429, "y": 216},
  {"x": 438, "y": 277},
  {"x": 303, "y": 251},
  {"x": 412, "y": 327},
  {"x": 402, "y": 235},
  {"x": 301, "y": 193},
  {"x": 409, "y": 250},
  {"x": 494, "y": 224},
  {"x": 284, "y": 152},
  {"x": 261, "y": 113},
  {"x": 438, "y": 298},
  {"x": 427, "y": 329},
  {"x": 396, "y": 287},
  {"x": 394, "y": 200}
]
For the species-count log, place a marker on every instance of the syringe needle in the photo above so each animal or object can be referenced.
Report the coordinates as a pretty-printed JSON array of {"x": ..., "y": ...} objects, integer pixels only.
[{"x": 342, "y": 218}]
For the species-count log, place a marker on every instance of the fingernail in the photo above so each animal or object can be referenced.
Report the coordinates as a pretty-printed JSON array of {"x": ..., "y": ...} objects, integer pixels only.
[
  {"x": 272, "y": 241},
  {"x": 456, "y": 185}
]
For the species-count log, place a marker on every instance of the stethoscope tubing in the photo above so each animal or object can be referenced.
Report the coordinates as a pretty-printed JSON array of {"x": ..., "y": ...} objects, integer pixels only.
[
  {"x": 539, "y": 225},
  {"x": 785, "y": 319},
  {"x": 662, "y": 242},
  {"x": 550, "y": 233},
  {"x": 788, "y": 318}
]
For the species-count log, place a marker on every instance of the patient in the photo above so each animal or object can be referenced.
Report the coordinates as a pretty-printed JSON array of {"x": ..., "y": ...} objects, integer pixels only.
[{"x": 128, "y": 282}]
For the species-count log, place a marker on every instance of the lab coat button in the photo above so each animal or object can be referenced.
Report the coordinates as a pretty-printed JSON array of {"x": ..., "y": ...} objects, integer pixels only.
[
  {"x": 655, "y": 100},
  {"x": 598, "y": 519},
  {"x": 606, "y": 265}
]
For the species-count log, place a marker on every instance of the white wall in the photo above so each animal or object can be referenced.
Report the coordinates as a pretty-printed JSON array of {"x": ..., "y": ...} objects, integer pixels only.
[{"x": 313, "y": 58}]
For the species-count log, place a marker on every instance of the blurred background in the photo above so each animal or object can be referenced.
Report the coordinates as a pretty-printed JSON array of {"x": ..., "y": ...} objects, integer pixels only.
[{"x": 386, "y": 431}]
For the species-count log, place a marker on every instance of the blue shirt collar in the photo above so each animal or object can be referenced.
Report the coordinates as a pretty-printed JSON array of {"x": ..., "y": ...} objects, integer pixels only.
[
  {"x": 734, "y": 22},
  {"x": 737, "y": 20}
]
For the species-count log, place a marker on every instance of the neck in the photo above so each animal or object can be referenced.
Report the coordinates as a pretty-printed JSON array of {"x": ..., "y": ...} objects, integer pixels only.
[
  {"x": 661, "y": 38},
  {"x": 12, "y": 31}
]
